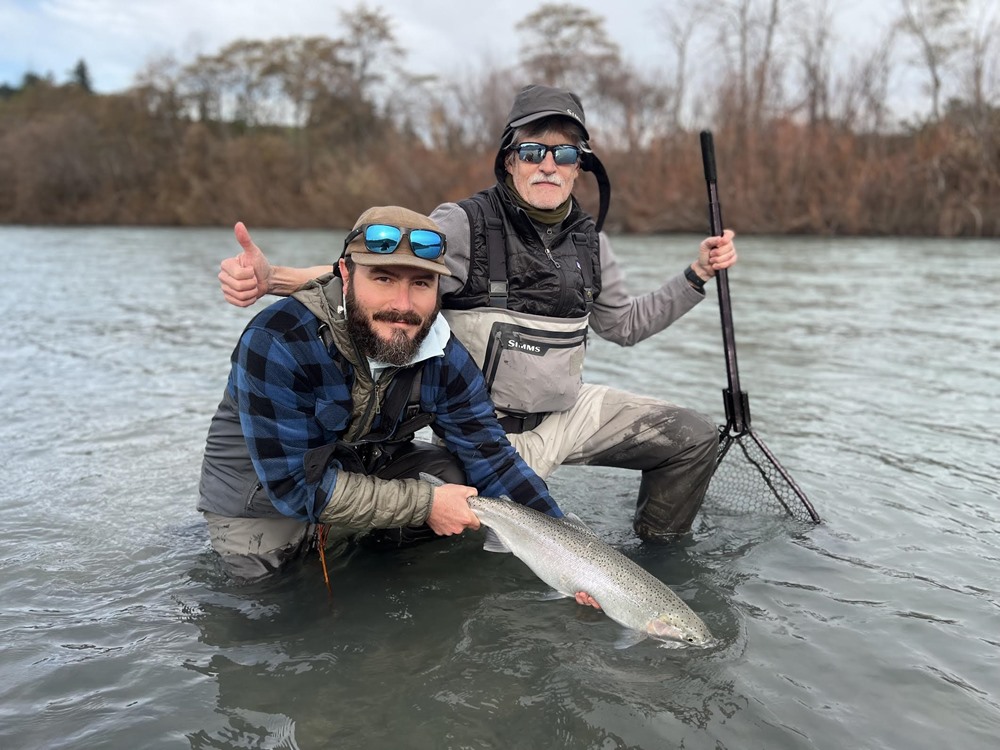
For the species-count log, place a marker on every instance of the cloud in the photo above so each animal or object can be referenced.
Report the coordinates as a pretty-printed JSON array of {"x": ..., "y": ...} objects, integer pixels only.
[{"x": 117, "y": 38}]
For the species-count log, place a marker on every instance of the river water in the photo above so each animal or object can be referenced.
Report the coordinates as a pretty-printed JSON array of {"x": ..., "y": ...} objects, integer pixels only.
[{"x": 871, "y": 366}]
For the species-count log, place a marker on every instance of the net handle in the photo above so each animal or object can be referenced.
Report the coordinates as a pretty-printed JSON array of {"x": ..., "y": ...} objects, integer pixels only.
[{"x": 737, "y": 413}]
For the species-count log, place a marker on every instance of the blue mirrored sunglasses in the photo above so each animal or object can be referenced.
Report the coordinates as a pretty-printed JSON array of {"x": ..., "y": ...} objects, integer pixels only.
[
  {"x": 385, "y": 238},
  {"x": 534, "y": 153}
]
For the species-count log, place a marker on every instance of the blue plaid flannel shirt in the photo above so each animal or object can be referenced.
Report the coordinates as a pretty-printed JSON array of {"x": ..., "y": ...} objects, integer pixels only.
[{"x": 292, "y": 398}]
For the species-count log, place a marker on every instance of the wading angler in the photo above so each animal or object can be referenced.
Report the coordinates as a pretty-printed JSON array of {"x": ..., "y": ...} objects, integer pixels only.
[{"x": 313, "y": 442}]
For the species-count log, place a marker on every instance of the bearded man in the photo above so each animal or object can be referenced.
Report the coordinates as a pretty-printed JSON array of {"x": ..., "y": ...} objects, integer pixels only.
[{"x": 313, "y": 441}]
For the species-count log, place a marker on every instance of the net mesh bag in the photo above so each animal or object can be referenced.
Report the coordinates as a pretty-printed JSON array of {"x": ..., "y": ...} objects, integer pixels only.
[{"x": 749, "y": 479}]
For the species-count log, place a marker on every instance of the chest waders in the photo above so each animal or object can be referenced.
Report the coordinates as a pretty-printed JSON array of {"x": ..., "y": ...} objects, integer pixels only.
[{"x": 524, "y": 311}]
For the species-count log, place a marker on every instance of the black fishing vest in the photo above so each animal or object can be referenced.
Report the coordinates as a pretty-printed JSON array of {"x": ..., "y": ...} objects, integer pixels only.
[{"x": 511, "y": 266}]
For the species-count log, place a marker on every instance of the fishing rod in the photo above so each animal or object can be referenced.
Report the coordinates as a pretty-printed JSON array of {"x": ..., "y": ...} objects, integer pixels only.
[{"x": 760, "y": 468}]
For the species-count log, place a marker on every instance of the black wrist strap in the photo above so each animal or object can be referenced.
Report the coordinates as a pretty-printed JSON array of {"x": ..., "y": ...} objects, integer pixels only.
[{"x": 696, "y": 281}]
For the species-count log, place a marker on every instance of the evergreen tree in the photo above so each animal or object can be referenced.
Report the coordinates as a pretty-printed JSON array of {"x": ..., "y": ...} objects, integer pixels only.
[{"x": 81, "y": 77}]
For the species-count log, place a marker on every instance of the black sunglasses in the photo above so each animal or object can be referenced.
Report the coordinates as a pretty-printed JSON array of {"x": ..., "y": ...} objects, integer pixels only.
[
  {"x": 534, "y": 153},
  {"x": 385, "y": 238}
]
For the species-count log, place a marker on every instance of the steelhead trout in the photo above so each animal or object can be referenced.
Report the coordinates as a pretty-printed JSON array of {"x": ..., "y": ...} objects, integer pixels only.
[{"x": 568, "y": 556}]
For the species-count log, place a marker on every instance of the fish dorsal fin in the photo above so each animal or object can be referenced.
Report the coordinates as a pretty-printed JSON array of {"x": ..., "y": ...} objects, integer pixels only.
[
  {"x": 493, "y": 543},
  {"x": 572, "y": 519}
]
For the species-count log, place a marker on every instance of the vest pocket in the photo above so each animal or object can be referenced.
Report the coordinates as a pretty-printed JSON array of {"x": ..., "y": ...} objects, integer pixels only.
[
  {"x": 258, "y": 504},
  {"x": 531, "y": 363}
]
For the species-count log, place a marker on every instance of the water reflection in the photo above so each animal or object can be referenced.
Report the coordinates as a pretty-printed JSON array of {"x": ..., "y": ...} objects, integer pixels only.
[{"x": 444, "y": 647}]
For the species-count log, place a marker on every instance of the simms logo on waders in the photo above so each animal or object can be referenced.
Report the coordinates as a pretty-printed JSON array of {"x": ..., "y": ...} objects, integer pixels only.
[{"x": 521, "y": 346}]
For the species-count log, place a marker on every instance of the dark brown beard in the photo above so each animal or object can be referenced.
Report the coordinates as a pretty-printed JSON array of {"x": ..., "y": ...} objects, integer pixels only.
[{"x": 399, "y": 349}]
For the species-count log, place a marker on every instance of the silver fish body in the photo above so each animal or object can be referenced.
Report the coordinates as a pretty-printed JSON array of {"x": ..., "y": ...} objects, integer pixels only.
[{"x": 570, "y": 558}]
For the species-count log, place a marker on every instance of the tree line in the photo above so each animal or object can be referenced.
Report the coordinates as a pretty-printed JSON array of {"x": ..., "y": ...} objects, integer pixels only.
[{"x": 309, "y": 131}]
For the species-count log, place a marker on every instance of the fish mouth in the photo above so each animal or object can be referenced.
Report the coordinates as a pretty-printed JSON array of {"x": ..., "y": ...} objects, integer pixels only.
[
  {"x": 685, "y": 643},
  {"x": 673, "y": 636},
  {"x": 703, "y": 645}
]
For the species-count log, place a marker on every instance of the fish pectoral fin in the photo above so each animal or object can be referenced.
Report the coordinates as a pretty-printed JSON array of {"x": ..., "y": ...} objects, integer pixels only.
[
  {"x": 572, "y": 519},
  {"x": 493, "y": 543},
  {"x": 629, "y": 638},
  {"x": 552, "y": 595}
]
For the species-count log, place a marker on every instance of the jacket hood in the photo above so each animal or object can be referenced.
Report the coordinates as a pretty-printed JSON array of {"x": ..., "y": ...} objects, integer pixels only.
[{"x": 535, "y": 102}]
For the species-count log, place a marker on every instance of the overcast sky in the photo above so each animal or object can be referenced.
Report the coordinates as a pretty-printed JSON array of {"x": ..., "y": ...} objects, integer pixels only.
[{"x": 117, "y": 37}]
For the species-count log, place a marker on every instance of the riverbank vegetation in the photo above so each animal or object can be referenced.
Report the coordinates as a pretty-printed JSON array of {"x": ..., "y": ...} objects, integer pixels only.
[{"x": 309, "y": 131}]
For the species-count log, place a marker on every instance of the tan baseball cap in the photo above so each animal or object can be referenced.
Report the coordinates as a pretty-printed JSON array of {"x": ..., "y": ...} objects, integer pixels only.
[{"x": 404, "y": 219}]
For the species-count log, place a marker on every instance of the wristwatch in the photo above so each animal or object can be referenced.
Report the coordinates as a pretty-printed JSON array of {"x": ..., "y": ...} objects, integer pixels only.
[{"x": 694, "y": 279}]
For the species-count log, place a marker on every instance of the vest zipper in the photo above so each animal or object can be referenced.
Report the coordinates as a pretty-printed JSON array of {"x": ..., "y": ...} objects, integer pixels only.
[
  {"x": 378, "y": 391},
  {"x": 565, "y": 300}
]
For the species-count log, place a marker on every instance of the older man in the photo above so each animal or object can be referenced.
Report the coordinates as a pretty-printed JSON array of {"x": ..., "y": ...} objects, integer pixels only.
[{"x": 530, "y": 271}]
